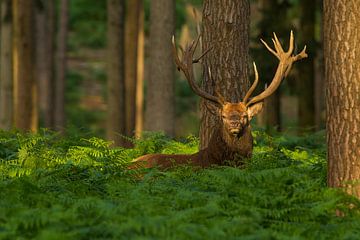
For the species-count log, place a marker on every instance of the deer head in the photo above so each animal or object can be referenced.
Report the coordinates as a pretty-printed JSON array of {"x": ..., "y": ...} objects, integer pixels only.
[{"x": 236, "y": 116}]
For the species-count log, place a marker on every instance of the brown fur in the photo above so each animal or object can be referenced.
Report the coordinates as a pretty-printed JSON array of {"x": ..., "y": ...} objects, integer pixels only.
[{"x": 223, "y": 149}]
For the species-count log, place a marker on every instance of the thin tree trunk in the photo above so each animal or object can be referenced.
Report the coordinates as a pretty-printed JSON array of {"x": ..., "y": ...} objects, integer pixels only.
[
  {"x": 160, "y": 114},
  {"x": 272, "y": 111},
  {"x": 115, "y": 72},
  {"x": 23, "y": 63},
  {"x": 305, "y": 81},
  {"x": 319, "y": 95},
  {"x": 342, "y": 64},
  {"x": 6, "y": 80},
  {"x": 271, "y": 22},
  {"x": 61, "y": 67},
  {"x": 140, "y": 76},
  {"x": 226, "y": 31},
  {"x": 131, "y": 54},
  {"x": 45, "y": 22}
]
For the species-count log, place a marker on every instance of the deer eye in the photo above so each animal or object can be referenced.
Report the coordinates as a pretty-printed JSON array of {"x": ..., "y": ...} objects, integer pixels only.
[{"x": 223, "y": 116}]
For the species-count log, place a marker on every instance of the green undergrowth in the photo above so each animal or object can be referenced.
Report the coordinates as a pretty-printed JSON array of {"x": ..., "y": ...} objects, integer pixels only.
[{"x": 73, "y": 188}]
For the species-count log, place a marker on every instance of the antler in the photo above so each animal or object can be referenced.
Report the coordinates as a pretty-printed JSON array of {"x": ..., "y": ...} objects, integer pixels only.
[
  {"x": 286, "y": 59},
  {"x": 186, "y": 66},
  {"x": 253, "y": 86}
]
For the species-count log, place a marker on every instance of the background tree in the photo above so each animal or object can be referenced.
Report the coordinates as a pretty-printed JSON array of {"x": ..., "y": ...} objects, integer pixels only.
[
  {"x": 139, "y": 116},
  {"x": 160, "y": 94},
  {"x": 342, "y": 64},
  {"x": 115, "y": 72},
  {"x": 6, "y": 80},
  {"x": 45, "y": 33},
  {"x": 226, "y": 32},
  {"x": 271, "y": 21},
  {"x": 61, "y": 66},
  {"x": 132, "y": 22},
  {"x": 23, "y": 65},
  {"x": 306, "y": 76}
]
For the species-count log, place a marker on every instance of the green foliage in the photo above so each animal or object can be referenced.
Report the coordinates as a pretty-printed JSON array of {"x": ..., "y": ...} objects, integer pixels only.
[{"x": 79, "y": 188}]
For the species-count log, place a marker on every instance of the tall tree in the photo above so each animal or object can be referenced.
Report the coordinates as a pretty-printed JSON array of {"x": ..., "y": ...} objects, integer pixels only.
[
  {"x": 139, "y": 116},
  {"x": 23, "y": 64},
  {"x": 6, "y": 80},
  {"x": 61, "y": 66},
  {"x": 131, "y": 54},
  {"x": 160, "y": 112},
  {"x": 342, "y": 64},
  {"x": 45, "y": 32},
  {"x": 226, "y": 32},
  {"x": 115, "y": 72},
  {"x": 305, "y": 83},
  {"x": 272, "y": 21}
]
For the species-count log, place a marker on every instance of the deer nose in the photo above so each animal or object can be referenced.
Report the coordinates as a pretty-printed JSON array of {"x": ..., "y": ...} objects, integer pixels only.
[{"x": 234, "y": 124}]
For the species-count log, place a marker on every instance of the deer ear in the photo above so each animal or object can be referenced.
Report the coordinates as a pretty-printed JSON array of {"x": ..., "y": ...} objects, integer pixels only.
[
  {"x": 212, "y": 108},
  {"x": 255, "y": 109}
]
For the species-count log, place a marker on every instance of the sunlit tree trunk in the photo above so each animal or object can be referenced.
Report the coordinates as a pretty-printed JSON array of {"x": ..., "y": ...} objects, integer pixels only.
[
  {"x": 342, "y": 64},
  {"x": 23, "y": 64},
  {"x": 226, "y": 31},
  {"x": 139, "y": 117},
  {"x": 6, "y": 80},
  {"x": 45, "y": 24},
  {"x": 160, "y": 112},
  {"x": 131, "y": 49},
  {"x": 115, "y": 72},
  {"x": 61, "y": 66}
]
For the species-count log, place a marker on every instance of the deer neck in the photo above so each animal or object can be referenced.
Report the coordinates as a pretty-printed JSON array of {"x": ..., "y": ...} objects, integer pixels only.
[{"x": 226, "y": 147}]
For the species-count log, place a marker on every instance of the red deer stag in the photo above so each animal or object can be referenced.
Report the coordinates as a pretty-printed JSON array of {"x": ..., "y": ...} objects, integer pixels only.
[{"x": 232, "y": 138}]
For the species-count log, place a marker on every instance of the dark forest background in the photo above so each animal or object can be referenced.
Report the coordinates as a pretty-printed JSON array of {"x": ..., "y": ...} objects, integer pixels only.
[{"x": 297, "y": 107}]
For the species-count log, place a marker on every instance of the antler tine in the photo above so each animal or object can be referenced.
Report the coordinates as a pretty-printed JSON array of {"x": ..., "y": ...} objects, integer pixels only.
[
  {"x": 269, "y": 48},
  {"x": 291, "y": 43},
  {"x": 253, "y": 86},
  {"x": 175, "y": 54},
  {"x": 278, "y": 44},
  {"x": 286, "y": 61}
]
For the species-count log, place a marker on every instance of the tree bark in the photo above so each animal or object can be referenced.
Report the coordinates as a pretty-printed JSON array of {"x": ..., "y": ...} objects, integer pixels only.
[
  {"x": 131, "y": 54},
  {"x": 45, "y": 23},
  {"x": 305, "y": 79},
  {"x": 160, "y": 112},
  {"x": 115, "y": 72},
  {"x": 226, "y": 31},
  {"x": 23, "y": 64},
  {"x": 6, "y": 79},
  {"x": 342, "y": 64},
  {"x": 61, "y": 66}
]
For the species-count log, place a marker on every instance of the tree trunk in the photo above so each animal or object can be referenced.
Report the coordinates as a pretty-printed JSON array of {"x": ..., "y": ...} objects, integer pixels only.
[
  {"x": 226, "y": 32},
  {"x": 319, "y": 96},
  {"x": 6, "y": 79},
  {"x": 115, "y": 72},
  {"x": 131, "y": 48},
  {"x": 23, "y": 63},
  {"x": 139, "y": 117},
  {"x": 342, "y": 64},
  {"x": 45, "y": 23},
  {"x": 272, "y": 21},
  {"x": 160, "y": 112},
  {"x": 305, "y": 79},
  {"x": 272, "y": 112},
  {"x": 61, "y": 67}
]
